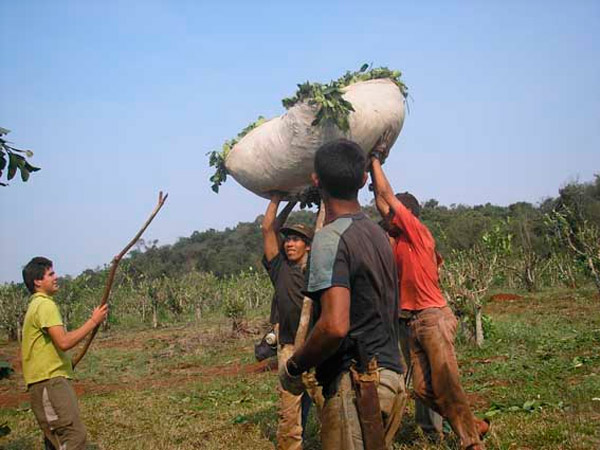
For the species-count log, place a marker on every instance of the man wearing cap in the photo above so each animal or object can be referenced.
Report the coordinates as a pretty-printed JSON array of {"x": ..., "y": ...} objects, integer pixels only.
[{"x": 286, "y": 263}]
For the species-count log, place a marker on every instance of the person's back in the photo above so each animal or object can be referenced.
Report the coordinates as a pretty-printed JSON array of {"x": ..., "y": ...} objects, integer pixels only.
[{"x": 361, "y": 248}]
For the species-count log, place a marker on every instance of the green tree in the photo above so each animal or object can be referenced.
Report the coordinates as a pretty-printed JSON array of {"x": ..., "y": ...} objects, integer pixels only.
[
  {"x": 13, "y": 304},
  {"x": 580, "y": 236},
  {"x": 467, "y": 276}
]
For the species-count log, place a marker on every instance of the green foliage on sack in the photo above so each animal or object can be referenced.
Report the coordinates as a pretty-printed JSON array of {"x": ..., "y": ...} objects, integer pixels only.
[
  {"x": 326, "y": 98},
  {"x": 217, "y": 158}
]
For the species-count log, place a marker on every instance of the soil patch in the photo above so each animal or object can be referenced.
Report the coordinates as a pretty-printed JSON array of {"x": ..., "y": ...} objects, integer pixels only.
[
  {"x": 505, "y": 297},
  {"x": 478, "y": 402},
  {"x": 12, "y": 399}
]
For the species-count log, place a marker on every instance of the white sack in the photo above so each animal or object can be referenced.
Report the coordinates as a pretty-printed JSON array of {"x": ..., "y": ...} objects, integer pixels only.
[{"x": 278, "y": 155}]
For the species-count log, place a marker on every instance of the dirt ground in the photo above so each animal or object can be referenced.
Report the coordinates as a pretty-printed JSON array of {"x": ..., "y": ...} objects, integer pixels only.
[{"x": 14, "y": 393}]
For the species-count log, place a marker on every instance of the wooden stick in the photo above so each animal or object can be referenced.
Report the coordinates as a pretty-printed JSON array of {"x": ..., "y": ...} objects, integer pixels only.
[
  {"x": 307, "y": 302},
  {"x": 113, "y": 270}
]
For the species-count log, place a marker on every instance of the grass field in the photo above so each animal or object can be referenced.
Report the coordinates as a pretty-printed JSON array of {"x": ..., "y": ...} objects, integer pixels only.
[{"x": 198, "y": 386}]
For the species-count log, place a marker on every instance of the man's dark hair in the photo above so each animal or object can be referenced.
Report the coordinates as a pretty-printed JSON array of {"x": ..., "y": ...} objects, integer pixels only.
[
  {"x": 340, "y": 166},
  {"x": 35, "y": 270},
  {"x": 409, "y": 200}
]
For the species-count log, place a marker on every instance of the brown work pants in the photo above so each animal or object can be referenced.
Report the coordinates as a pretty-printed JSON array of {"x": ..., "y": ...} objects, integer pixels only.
[
  {"x": 340, "y": 425},
  {"x": 435, "y": 370},
  {"x": 289, "y": 427},
  {"x": 54, "y": 405},
  {"x": 426, "y": 418}
]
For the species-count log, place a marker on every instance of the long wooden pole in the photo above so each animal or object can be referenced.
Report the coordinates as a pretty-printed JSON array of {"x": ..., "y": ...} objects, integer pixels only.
[
  {"x": 307, "y": 303},
  {"x": 113, "y": 270}
]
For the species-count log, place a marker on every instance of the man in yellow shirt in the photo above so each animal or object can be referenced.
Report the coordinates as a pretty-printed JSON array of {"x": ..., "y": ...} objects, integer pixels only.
[{"x": 47, "y": 369}]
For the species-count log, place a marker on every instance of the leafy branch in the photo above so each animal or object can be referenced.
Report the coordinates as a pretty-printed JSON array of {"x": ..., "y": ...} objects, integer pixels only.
[
  {"x": 15, "y": 160},
  {"x": 217, "y": 158}
]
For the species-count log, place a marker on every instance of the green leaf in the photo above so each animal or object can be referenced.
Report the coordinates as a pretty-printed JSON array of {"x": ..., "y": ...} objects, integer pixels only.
[
  {"x": 24, "y": 174},
  {"x": 240, "y": 419},
  {"x": 31, "y": 168},
  {"x": 12, "y": 165},
  {"x": 528, "y": 405},
  {"x": 364, "y": 67}
]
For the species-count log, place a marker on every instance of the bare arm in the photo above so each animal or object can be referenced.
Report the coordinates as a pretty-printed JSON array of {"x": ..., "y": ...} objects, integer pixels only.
[
  {"x": 384, "y": 194},
  {"x": 66, "y": 340},
  {"x": 380, "y": 203},
  {"x": 403, "y": 217},
  {"x": 329, "y": 331},
  {"x": 272, "y": 225},
  {"x": 382, "y": 187}
]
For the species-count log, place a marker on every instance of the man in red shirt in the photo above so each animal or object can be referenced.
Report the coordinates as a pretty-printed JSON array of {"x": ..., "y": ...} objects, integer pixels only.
[{"x": 432, "y": 324}]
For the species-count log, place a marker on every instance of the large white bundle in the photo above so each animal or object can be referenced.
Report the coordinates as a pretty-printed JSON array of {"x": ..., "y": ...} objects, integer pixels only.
[{"x": 278, "y": 155}]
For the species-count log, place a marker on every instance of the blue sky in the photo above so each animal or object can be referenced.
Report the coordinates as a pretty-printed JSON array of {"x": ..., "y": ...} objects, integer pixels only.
[{"x": 122, "y": 99}]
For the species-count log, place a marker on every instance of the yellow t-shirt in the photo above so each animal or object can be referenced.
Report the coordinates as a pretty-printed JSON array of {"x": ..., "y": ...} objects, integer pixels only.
[{"x": 42, "y": 360}]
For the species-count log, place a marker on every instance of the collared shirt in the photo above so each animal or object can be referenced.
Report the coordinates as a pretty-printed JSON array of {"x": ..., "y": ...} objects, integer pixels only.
[
  {"x": 417, "y": 263},
  {"x": 42, "y": 360}
]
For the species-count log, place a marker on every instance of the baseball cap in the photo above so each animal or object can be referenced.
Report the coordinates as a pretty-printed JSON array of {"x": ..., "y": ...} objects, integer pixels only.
[{"x": 299, "y": 228}]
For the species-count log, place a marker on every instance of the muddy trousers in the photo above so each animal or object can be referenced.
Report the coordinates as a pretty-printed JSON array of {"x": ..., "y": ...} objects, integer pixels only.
[
  {"x": 435, "y": 371},
  {"x": 293, "y": 409},
  {"x": 340, "y": 426},
  {"x": 426, "y": 418},
  {"x": 55, "y": 407}
]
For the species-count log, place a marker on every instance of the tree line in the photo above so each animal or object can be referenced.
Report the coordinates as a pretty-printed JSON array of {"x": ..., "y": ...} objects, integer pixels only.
[{"x": 518, "y": 247}]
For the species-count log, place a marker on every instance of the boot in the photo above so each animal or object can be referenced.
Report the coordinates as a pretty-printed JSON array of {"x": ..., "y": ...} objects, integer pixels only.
[{"x": 483, "y": 426}]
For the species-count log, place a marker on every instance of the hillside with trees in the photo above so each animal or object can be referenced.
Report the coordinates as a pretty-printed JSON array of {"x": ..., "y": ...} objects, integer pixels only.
[
  {"x": 455, "y": 228},
  {"x": 485, "y": 247}
]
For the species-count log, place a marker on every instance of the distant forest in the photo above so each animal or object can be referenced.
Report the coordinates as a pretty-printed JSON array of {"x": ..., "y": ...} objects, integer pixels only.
[{"x": 455, "y": 228}]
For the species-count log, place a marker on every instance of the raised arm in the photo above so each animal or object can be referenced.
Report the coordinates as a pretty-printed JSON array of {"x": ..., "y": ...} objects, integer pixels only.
[
  {"x": 66, "y": 340},
  {"x": 380, "y": 203},
  {"x": 271, "y": 225},
  {"x": 384, "y": 194},
  {"x": 403, "y": 218}
]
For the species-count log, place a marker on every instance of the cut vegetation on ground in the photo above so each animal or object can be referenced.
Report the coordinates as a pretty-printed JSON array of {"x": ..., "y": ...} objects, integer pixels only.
[{"x": 537, "y": 377}]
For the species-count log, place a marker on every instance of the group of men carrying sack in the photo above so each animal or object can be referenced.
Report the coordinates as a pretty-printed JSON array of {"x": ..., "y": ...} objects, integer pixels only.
[
  {"x": 370, "y": 288},
  {"x": 364, "y": 292}
]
